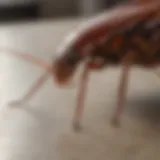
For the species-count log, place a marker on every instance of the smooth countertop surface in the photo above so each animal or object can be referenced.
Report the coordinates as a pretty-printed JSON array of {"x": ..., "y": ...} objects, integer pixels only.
[{"x": 41, "y": 129}]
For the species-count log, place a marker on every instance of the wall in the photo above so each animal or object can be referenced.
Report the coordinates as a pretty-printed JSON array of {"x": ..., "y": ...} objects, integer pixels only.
[
  {"x": 55, "y": 8},
  {"x": 15, "y": 2}
]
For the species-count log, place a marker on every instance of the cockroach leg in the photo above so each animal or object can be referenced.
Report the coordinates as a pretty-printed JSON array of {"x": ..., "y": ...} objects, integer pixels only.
[
  {"x": 122, "y": 90},
  {"x": 80, "y": 101},
  {"x": 32, "y": 90}
]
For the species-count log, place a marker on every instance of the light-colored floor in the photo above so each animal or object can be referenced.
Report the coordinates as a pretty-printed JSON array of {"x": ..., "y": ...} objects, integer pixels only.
[{"x": 41, "y": 129}]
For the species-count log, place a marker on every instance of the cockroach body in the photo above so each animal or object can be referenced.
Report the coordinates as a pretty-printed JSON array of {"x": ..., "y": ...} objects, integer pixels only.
[
  {"x": 121, "y": 24},
  {"x": 126, "y": 35}
]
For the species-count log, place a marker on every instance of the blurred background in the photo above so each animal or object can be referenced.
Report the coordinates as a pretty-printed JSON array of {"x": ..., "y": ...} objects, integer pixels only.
[{"x": 11, "y": 10}]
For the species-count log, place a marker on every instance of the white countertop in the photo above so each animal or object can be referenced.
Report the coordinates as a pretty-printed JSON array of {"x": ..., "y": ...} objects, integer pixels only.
[{"x": 41, "y": 130}]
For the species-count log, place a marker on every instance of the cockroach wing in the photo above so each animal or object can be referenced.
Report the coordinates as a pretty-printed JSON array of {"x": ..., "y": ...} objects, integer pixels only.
[
  {"x": 102, "y": 25},
  {"x": 118, "y": 18}
]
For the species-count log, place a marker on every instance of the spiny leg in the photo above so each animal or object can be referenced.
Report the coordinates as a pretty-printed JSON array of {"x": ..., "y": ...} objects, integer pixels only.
[
  {"x": 122, "y": 89},
  {"x": 33, "y": 90},
  {"x": 80, "y": 101}
]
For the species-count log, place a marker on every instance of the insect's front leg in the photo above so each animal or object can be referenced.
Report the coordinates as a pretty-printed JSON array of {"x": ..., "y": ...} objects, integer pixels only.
[
  {"x": 127, "y": 62},
  {"x": 33, "y": 90},
  {"x": 80, "y": 99}
]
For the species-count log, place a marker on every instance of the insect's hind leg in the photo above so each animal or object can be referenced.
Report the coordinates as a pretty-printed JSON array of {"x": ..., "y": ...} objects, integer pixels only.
[
  {"x": 33, "y": 90},
  {"x": 122, "y": 89}
]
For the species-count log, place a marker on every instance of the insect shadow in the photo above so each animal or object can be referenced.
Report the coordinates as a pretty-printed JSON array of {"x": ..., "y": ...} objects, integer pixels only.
[{"x": 146, "y": 107}]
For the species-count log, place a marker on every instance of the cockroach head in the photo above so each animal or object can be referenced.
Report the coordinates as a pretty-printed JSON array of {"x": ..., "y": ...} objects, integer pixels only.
[{"x": 65, "y": 64}]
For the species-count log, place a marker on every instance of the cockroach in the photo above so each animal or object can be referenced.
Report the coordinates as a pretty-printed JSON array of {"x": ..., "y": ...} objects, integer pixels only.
[{"x": 126, "y": 35}]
